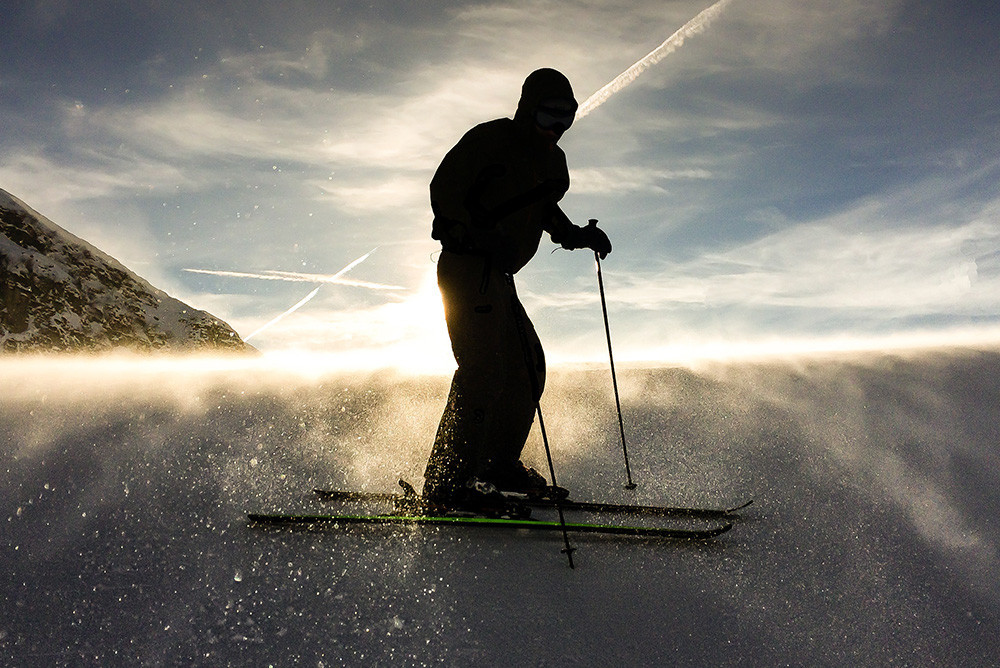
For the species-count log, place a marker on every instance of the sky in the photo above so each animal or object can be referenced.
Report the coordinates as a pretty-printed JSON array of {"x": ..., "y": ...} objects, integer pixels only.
[{"x": 800, "y": 173}]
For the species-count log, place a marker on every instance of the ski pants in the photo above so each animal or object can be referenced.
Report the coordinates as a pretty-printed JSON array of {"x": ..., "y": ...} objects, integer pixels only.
[{"x": 500, "y": 374}]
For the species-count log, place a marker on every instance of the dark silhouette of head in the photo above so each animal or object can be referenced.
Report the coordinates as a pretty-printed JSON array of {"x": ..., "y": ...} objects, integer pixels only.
[{"x": 547, "y": 103}]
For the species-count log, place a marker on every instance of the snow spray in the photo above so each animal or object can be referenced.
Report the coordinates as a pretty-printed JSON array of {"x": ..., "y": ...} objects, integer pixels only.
[{"x": 672, "y": 43}]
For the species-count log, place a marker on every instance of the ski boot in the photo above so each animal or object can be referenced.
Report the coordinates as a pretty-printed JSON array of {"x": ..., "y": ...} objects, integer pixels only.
[
  {"x": 475, "y": 498},
  {"x": 516, "y": 478},
  {"x": 481, "y": 497}
]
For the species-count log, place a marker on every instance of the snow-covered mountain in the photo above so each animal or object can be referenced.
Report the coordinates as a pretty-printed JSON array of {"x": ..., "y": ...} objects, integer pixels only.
[{"x": 57, "y": 292}]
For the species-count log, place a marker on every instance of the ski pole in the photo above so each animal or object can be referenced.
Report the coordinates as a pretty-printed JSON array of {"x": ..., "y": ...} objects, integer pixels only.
[
  {"x": 522, "y": 332},
  {"x": 611, "y": 356},
  {"x": 568, "y": 549}
]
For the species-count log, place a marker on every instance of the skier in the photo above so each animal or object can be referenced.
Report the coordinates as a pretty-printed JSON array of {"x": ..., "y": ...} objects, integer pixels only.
[{"x": 492, "y": 196}]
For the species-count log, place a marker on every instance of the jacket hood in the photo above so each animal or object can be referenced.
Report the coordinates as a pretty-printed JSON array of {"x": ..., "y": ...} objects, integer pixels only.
[{"x": 541, "y": 85}]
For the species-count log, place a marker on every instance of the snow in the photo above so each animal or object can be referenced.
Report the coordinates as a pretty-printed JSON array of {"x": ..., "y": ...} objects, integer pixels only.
[
  {"x": 56, "y": 238},
  {"x": 872, "y": 539},
  {"x": 66, "y": 294}
]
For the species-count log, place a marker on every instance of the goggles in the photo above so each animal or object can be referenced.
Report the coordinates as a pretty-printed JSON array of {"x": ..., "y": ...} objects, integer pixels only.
[{"x": 555, "y": 116}]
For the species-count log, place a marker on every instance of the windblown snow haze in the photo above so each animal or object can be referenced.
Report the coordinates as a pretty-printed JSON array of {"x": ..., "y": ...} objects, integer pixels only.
[{"x": 870, "y": 540}]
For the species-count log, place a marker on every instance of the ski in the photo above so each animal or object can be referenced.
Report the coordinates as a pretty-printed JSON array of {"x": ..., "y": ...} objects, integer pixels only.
[
  {"x": 663, "y": 511},
  {"x": 486, "y": 522},
  {"x": 546, "y": 501}
]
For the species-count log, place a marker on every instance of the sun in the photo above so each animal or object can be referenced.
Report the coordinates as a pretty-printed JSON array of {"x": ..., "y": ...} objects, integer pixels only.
[
  {"x": 426, "y": 346},
  {"x": 408, "y": 335}
]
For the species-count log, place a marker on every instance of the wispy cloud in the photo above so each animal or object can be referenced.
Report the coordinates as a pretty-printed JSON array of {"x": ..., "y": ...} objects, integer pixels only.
[
  {"x": 623, "y": 180},
  {"x": 741, "y": 174},
  {"x": 49, "y": 180},
  {"x": 849, "y": 263},
  {"x": 286, "y": 105}
]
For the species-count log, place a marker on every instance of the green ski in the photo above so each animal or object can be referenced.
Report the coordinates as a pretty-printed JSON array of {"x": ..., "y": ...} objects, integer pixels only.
[
  {"x": 544, "y": 501},
  {"x": 337, "y": 521}
]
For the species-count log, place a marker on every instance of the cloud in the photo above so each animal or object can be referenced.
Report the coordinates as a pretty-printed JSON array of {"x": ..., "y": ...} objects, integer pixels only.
[
  {"x": 290, "y": 105},
  {"x": 400, "y": 193},
  {"x": 829, "y": 265},
  {"x": 622, "y": 180},
  {"x": 785, "y": 37},
  {"x": 742, "y": 172},
  {"x": 904, "y": 266},
  {"x": 30, "y": 173},
  {"x": 241, "y": 115}
]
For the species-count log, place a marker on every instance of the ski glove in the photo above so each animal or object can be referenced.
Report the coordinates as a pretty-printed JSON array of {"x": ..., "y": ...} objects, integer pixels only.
[{"x": 590, "y": 237}]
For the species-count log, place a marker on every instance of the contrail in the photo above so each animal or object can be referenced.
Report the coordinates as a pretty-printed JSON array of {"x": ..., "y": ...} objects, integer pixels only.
[
  {"x": 298, "y": 277},
  {"x": 302, "y": 278},
  {"x": 692, "y": 27},
  {"x": 295, "y": 308}
]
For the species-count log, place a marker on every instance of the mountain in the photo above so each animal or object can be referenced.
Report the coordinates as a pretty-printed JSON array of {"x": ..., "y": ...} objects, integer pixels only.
[{"x": 59, "y": 293}]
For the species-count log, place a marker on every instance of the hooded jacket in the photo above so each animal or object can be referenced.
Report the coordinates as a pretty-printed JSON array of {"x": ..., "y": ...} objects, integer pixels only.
[{"x": 499, "y": 187}]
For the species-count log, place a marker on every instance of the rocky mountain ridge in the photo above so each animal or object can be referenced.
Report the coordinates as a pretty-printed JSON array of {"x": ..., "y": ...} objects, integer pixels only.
[{"x": 60, "y": 293}]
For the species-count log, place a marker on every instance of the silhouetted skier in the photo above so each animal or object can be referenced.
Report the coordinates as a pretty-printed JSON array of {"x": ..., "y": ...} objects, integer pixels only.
[{"x": 492, "y": 196}]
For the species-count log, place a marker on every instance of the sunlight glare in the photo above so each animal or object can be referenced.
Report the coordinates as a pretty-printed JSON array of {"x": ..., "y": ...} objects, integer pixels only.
[{"x": 408, "y": 335}]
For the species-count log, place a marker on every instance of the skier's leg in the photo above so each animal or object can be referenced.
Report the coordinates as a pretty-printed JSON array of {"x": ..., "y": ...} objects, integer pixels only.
[
  {"x": 474, "y": 318},
  {"x": 449, "y": 463},
  {"x": 520, "y": 394}
]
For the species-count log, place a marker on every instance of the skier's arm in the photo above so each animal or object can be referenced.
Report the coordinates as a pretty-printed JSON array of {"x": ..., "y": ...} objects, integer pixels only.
[
  {"x": 468, "y": 227},
  {"x": 571, "y": 237},
  {"x": 460, "y": 221},
  {"x": 449, "y": 189}
]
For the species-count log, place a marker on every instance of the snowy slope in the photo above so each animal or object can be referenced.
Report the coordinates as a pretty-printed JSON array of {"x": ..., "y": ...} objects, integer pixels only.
[
  {"x": 57, "y": 292},
  {"x": 873, "y": 540}
]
